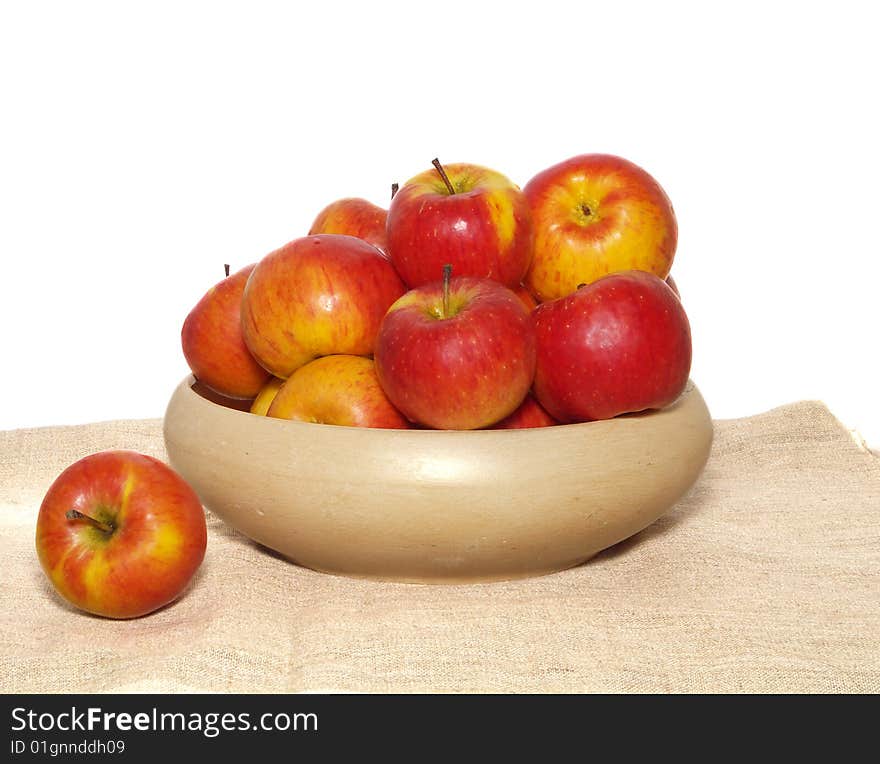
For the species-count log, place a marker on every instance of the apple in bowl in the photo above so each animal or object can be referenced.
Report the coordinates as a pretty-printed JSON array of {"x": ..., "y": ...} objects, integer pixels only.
[
  {"x": 353, "y": 216},
  {"x": 260, "y": 405},
  {"x": 466, "y": 215},
  {"x": 529, "y": 414},
  {"x": 213, "y": 345},
  {"x": 456, "y": 354},
  {"x": 336, "y": 389},
  {"x": 596, "y": 214},
  {"x": 317, "y": 295},
  {"x": 621, "y": 344}
]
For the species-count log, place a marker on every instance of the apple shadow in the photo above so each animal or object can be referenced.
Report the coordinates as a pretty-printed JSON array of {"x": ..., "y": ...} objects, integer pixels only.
[{"x": 43, "y": 584}]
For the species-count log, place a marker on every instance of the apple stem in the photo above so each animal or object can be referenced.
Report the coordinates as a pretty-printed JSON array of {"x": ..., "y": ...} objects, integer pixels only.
[
  {"x": 447, "y": 275},
  {"x": 75, "y": 514},
  {"x": 394, "y": 188},
  {"x": 226, "y": 269},
  {"x": 436, "y": 163}
]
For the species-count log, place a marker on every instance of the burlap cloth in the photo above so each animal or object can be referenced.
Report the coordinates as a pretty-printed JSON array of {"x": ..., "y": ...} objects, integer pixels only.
[{"x": 766, "y": 578}]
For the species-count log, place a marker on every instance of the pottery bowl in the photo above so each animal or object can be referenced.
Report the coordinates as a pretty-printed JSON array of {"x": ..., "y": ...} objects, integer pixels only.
[{"x": 437, "y": 506}]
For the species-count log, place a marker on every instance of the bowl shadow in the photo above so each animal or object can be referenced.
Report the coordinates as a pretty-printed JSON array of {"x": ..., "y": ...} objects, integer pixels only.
[{"x": 691, "y": 504}]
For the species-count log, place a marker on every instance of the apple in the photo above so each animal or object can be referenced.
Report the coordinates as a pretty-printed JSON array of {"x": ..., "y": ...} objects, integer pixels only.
[
  {"x": 261, "y": 403},
  {"x": 337, "y": 389},
  {"x": 526, "y": 296},
  {"x": 596, "y": 214},
  {"x": 317, "y": 295},
  {"x": 213, "y": 344},
  {"x": 673, "y": 286},
  {"x": 353, "y": 217},
  {"x": 618, "y": 345},
  {"x": 120, "y": 534},
  {"x": 529, "y": 414},
  {"x": 456, "y": 354},
  {"x": 468, "y": 216}
]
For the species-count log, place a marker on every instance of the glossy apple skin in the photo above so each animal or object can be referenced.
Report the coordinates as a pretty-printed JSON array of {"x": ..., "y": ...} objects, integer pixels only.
[
  {"x": 529, "y": 414},
  {"x": 340, "y": 390},
  {"x": 157, "y": 544},
  {"x": 261, "y": 403},
  {"x": 213, "y": 344},
  {"x": 353, "y": 216},
  {"x": 462, "y": 372},
  {"x": 618, "y": 345},
  {"x": 596, "y": 214},
  {"x": 317, "y": 295},
  {"x": 483, "y": 230}
]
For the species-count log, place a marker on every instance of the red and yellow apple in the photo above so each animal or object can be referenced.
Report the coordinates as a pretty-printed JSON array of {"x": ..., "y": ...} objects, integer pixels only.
[
  {"x": 337, "y": 389},
  {"x": 456, "y": 354},
  {"x": 120, "y": 534},
  {"x": 620, "y": 344},
  {"x": 529, "y": 414},
  {"x": 596, "y": 214},
  {"x": 213, "y": 344},
  {"x": 317, "y": 295},
  {"x": 468, "y": 216},
  {"x": 353, "y": 216}
]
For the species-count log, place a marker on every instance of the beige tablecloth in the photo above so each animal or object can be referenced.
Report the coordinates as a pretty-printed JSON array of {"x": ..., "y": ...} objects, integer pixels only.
[{"x": 766, "y": 578}]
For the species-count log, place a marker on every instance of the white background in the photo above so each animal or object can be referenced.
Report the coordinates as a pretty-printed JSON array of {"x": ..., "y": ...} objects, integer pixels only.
[{"x": 143, "y": 145}]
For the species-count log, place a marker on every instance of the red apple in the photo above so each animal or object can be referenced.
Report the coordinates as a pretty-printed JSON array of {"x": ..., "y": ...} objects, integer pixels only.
[
  {"x": 529, "y": 414},
  {"x": 463, "y": 214},
  {"x": 213, "y": 344},
  {"x": 526, "y": 296},
  {"x": 457, "y": 354},
  {"x": 337, "y": 389},
  {"x": 673, "y": 286},
  {"x": 593, "y": 215},
  {"x": 120, "y": 534},
  {"x": 353, "y": 217},
  {"x": 620, "y": 344},
  {"x": 318, "y": 295}
]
